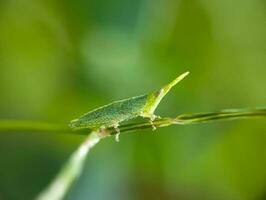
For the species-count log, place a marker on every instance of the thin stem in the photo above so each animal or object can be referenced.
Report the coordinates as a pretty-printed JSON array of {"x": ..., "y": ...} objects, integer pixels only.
[
  {"x": 229, "y": 114},
  {"x": 31, "y": 126},
  {"x": 184, "y": 119}
]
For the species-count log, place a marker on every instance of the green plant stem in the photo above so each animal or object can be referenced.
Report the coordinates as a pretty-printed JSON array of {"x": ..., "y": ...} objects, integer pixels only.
[
  {"x": 31, "y": 126},
  {"x": 184, "y": 119}
]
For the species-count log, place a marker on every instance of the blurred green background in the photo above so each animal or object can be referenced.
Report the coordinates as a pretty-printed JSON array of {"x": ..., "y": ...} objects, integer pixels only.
[{"x": 59, "y": 59}]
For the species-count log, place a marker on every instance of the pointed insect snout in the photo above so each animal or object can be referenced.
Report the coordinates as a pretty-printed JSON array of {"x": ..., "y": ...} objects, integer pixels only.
[
  {"x": 156, "y": 97},
  {"x": 166, "y": 88}
]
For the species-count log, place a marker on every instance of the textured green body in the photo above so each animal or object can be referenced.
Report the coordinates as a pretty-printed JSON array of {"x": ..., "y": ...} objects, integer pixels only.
[{"x": 111, "y": 114}]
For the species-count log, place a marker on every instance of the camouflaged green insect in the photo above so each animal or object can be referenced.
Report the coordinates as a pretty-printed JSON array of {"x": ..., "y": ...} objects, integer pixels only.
[{"x": 116, "y": 112}]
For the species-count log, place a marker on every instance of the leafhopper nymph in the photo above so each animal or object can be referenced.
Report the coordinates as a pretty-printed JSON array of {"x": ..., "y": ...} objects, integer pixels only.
[{"x": 116, "y": 112}]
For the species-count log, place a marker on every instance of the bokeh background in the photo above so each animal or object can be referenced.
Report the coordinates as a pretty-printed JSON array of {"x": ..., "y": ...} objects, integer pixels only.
[{"x": 59, "y": 59}]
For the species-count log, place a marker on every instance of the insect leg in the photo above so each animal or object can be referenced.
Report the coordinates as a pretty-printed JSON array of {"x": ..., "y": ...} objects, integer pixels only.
[
  {"x": 152, "y": 117},
  {"x": 117, "y": 132}
]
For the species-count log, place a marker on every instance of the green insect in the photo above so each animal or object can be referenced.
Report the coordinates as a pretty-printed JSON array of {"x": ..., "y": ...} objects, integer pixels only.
[{"x": 116, "y": 112}]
